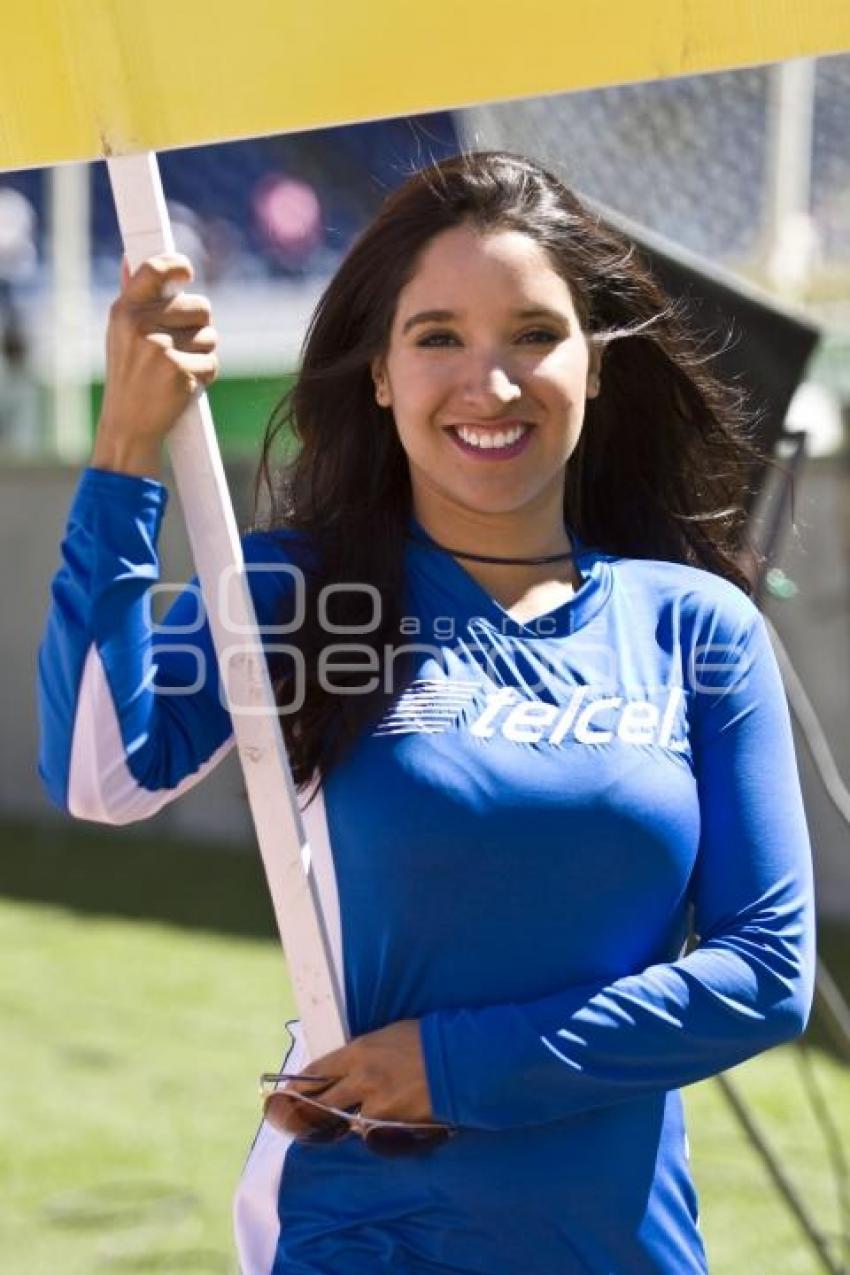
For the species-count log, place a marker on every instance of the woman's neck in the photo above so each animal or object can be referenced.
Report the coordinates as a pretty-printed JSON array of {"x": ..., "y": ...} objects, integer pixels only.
[
  {"x": 524, "y": 535},
  {"x": 517, "y": 534}
]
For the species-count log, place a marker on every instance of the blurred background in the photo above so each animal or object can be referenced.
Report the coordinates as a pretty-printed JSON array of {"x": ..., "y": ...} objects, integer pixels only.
[{"x": 141, "y": 984}]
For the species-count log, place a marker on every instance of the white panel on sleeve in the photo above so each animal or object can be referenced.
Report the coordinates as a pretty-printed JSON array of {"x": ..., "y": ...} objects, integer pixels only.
[{"x": 101, "y": 786}]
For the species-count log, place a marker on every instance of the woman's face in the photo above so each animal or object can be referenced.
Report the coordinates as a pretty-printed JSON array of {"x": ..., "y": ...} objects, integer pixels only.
[{"x": 487, "y": 372}]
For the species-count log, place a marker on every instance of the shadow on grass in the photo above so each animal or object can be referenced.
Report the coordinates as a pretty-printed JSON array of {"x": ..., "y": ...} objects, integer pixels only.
[{"x": 108, "y": 872}]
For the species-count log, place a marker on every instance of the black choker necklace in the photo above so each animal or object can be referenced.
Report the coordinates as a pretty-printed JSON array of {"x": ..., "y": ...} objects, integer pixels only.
[{"x": 478, "y": 557}]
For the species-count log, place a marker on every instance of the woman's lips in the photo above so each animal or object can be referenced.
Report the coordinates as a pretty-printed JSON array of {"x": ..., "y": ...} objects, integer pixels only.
[{"x": 493, "y": 453}]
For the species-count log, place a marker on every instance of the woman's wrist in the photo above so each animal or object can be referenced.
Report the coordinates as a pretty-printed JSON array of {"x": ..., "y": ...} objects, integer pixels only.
[{"x": 138, "y": 457}]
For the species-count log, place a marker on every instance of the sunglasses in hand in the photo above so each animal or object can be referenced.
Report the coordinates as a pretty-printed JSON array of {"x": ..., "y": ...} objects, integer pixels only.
[{"x": 310, "y": 1121}]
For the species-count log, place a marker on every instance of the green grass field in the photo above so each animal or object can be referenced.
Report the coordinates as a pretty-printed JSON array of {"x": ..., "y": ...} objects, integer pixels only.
[{"x": 142, "y": 992}]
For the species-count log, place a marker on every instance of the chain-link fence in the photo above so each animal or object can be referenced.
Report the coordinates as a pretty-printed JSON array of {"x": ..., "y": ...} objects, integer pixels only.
[{"x": 748, "y": 168}]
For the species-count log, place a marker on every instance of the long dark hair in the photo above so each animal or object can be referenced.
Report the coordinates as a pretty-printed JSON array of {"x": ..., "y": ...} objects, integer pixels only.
[{"x": 661, "y": 468}]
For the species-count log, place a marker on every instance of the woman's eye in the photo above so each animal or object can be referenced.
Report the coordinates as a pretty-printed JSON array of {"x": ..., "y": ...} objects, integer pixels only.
[
  {"x": 539, "y": 336},
  {"x": 436, "y": 338}
]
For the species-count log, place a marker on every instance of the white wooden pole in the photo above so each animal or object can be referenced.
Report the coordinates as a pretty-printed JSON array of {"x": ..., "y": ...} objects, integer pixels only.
[{"x": 211, "y": 525}]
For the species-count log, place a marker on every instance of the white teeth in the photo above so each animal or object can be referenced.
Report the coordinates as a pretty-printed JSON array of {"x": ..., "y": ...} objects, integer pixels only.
[{"x": 485, "y": 441}]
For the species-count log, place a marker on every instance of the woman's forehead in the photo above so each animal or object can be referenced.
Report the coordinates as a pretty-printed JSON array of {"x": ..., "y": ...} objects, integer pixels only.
[{"x": 506, "y": 267}]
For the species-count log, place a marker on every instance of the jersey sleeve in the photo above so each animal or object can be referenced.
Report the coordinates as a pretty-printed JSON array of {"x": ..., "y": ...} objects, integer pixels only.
[
  {"x": 746, "y": 987},
  {"x": 132, "y": 712}
]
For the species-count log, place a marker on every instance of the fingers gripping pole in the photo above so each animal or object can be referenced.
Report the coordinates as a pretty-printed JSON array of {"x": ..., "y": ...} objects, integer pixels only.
[{"x": 217, "y": 551}]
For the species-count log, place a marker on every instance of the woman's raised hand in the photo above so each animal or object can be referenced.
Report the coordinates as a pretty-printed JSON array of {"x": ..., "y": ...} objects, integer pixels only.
[{"x": 160, "y": 350}]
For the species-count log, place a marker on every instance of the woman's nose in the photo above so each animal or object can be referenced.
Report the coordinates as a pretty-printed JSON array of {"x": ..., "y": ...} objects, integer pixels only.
[{"x": 490, "y": 382}]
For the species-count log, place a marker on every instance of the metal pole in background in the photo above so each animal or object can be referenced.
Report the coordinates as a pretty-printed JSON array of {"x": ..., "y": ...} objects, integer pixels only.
[
  {"x": 790, "y": 235},
  {"x": 69, "y": 367}
]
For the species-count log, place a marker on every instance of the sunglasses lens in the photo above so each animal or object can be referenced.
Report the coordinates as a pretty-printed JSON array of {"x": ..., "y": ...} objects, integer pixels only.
[
  {"x": 288, "y": 1114},
  {"x": 306, "y": 1119},
  {"x": 399, "y": 1142}
]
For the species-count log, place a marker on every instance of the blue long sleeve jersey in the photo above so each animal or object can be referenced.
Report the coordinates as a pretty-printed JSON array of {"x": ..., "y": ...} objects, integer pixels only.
[{"x": 512, "y": 856}]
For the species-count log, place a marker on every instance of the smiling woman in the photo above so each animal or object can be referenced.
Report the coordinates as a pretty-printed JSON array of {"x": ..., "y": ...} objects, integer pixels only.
[
  {"x": 485, "y": 300},
  {"x": 535, "y": 719},
  {"x": 481, "y": 378}
]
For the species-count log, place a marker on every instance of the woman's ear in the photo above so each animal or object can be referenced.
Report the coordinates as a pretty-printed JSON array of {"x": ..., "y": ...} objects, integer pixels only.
[{"x": 379, "y": 376}]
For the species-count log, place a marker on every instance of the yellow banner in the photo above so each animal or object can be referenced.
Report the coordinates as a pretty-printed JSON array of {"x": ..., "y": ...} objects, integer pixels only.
[{"x": 84, "y": 78}]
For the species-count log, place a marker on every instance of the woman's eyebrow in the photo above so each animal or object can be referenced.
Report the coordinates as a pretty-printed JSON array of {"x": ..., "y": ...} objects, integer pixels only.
[
  {"x": 444, "y": 316},
  {"x": 543, "y": 312},
  {"x": 428, "y": 316}
]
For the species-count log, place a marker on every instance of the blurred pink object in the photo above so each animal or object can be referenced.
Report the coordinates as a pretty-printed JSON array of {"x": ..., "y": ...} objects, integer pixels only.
[{"x": 290, "y": 217}]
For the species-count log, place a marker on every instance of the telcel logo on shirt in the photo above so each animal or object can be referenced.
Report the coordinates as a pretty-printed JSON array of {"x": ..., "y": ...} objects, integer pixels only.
[
  {"x": 588, "y": 720},
  {"x": 431, "y": 706}
]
